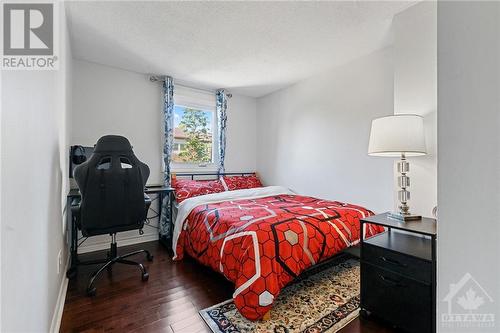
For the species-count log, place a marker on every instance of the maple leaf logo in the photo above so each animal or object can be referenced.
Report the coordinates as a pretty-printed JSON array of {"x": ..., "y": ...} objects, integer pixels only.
[{"x": 470, "y": 301}]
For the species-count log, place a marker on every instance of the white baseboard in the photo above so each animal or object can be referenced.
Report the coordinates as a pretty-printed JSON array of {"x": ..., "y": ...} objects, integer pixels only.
[
  {"x": 121, "y": 242},
  {"x": 55, "y": 324}
]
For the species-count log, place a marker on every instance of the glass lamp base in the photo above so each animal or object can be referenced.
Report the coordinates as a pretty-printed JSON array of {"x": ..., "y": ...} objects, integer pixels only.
[{"x": 404, "y": 217}]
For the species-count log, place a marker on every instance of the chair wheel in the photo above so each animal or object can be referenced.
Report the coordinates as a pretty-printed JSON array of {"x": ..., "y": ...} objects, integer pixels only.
[
  {"x": 150, "y": 257},
  {"x": 145, "y": 276},
  {"x": 91, "y": 292},
  {"x": 363, "y": 313}
]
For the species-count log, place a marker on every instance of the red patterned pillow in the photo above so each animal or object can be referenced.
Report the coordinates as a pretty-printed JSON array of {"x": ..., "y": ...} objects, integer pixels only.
[
  {"x": 241, "y": 182},
  {"x": 187, "y": 188}
]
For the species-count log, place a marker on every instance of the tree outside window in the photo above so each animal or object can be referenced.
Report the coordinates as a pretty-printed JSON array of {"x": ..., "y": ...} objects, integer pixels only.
[{"x": 192, "y": 135}]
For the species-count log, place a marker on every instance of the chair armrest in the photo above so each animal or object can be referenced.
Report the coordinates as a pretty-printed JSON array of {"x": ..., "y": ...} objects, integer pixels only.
[
  {"x": 75, "y": 210},
  {"x": 75, "y": 204},
  {"x": 147, "y": 200}
]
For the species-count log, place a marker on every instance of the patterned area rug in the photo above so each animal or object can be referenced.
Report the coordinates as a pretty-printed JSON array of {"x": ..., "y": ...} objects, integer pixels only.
[{"x": 324, "y": 299}]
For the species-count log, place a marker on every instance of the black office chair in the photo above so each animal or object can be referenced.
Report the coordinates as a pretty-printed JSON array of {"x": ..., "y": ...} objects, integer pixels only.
[{"x": 112, "y": 183}]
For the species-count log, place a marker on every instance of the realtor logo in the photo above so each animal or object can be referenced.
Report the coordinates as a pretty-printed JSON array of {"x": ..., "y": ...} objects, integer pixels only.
[
  {"x": 468, "y": 305},
  {"x": 29, "y": 32},
  {"x": 28, "y": 29}
]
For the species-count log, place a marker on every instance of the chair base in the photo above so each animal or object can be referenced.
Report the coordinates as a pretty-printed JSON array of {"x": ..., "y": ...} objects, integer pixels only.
[{"x": 112, "y": 258}]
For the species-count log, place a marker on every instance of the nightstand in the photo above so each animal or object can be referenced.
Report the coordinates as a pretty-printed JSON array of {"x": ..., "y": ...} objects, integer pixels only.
[{"x": 398, "y": 273}]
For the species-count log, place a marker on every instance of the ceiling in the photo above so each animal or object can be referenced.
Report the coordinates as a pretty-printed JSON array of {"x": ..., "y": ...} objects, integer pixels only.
[{"x": 251, "y": 48}]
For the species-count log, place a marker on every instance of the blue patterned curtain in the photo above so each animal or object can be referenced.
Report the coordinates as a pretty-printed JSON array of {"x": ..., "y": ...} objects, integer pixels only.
[
  {"x": 221, "y": 121},
  {"x": 168, "y": 123}
]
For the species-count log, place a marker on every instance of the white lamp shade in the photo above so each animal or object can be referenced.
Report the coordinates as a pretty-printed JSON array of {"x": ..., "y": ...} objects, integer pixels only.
[{"x": 394, "y": 135}]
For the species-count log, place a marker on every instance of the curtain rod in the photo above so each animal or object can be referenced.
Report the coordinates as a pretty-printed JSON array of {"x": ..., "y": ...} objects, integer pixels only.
[{"x": 160, "y": 78}]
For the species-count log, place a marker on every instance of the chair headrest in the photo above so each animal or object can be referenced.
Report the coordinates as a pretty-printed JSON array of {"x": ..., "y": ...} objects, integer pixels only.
[{"x": 113, "y": 143}]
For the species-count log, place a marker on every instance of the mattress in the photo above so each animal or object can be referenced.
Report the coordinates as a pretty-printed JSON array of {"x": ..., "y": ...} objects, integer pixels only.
[{"x": 263, "y": 238}]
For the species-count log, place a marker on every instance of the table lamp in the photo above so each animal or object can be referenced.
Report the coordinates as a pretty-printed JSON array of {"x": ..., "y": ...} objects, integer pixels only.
[{"x": 401, "y": 136}]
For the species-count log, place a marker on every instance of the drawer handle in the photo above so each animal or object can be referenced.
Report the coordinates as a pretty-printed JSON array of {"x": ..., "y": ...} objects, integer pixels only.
[
  {"x": 392, "y": 262},
  {"x": 390, "y": 281}
]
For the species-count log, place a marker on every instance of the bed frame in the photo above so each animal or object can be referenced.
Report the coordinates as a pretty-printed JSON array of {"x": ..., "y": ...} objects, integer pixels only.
[{"x": 211, "y": 174}]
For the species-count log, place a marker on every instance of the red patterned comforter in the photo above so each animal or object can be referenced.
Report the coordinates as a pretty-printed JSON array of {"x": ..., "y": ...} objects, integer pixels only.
[{"x": 262, "y": 244}]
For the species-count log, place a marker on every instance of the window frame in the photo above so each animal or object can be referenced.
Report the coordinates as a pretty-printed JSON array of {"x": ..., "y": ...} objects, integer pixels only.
[{"x": 199, "y": 100}]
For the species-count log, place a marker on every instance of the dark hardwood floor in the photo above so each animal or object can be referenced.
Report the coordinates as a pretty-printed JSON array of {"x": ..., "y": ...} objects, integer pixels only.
[{"x": 168, "y": 302}]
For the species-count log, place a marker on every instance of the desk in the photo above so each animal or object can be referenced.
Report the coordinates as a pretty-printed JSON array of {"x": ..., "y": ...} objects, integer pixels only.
[{"x": 74, "y": 194}]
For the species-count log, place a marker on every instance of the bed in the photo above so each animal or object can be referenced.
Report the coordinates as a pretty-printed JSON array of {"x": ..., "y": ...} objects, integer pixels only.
[{"x": 262, "y": 238}]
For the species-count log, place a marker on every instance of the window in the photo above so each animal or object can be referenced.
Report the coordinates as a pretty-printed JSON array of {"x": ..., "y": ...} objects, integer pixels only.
[{"x": 194, "y": 144}]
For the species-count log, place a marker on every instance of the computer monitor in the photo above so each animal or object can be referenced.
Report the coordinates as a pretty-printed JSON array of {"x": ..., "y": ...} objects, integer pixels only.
[{"x": 78, "y": 155}]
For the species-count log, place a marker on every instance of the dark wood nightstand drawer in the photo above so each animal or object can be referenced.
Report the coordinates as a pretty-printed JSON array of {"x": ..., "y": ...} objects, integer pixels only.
[
  {"x": 397, "y": 262},
  {"x": 404, "y": 302}
]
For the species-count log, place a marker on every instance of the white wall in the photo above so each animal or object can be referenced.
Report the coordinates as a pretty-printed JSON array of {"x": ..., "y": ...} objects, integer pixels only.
[
  {"x": 313, "y": 136},
  {"x": 113, "y": 101},
  {"x": 415, "y": 91},
  {"x": 241, "y": 150},
  {"x": 34, "y": 171},
  {"x": 1, "y": 201},
  {"x": 469, "y": 152}
]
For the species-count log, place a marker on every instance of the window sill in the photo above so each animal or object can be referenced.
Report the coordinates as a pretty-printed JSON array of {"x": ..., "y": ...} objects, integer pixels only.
[{"x": 208, "y": 169}]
